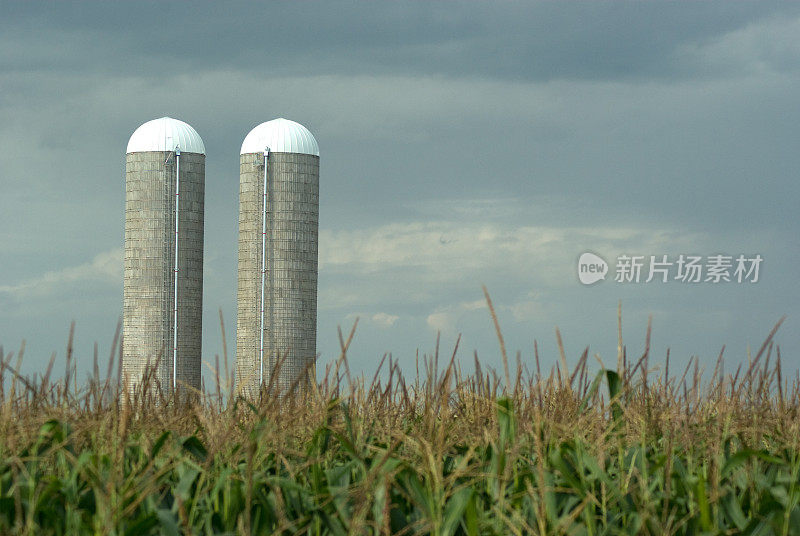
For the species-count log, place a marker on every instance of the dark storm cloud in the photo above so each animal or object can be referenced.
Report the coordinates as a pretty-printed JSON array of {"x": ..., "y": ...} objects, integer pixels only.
[{"x": 517, "y": 41}]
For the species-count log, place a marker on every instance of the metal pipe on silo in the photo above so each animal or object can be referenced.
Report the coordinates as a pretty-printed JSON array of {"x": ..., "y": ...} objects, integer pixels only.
[
  {"x": 277, "y": 291},
  {"x": 175, "y": 277},
  {"x": 263, "y": 267},
  {"x": 163, "y": 287}
]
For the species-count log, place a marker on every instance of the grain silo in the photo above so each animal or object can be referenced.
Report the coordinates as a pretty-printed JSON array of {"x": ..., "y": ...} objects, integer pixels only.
[
  {"x": 278, "y": 229},
  {"x": 163, "y": 285}
]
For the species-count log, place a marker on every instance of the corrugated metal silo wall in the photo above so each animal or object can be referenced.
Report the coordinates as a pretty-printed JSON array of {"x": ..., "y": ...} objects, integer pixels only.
[
  {"x": 149, "y": 267},
  {"x": 290, "y": 296}
]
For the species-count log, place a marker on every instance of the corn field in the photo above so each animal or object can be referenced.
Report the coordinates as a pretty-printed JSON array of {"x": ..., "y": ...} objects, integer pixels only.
[{"x": 614, "y": 451}]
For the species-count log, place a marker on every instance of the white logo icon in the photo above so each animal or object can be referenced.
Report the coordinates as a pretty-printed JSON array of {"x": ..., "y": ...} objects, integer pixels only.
[{"x": 591, "y": 268}]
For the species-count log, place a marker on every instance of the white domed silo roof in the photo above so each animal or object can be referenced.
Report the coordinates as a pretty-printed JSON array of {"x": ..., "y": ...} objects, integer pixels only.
[
  {"x": 163, "y": 135},
  {"x": 280, "y": 136}
]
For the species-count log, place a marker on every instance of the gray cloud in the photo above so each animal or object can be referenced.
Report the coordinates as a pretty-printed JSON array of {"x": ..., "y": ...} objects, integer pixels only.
[{"x": 519, "y": 41}]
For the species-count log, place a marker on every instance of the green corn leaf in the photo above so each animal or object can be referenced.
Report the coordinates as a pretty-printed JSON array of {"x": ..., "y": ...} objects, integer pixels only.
[
  {"x": 614, "y": 387},
  {"x": 379, "y": 506},
  {"x": 143, "y": 525},
  {"x": 702, "y": 504},
  {"x": 195, "y": 447},
  {"x": 159, "y": 444},
  {"x": 740, "y": 458},
  {"x": 732, "y": 510},
  {"x": 417, "y": 492},
  {"x": 454, "y": 510},
  {"x": 167, "y": 524},
  {"x": 186, "y": 481},
  {"x": 471, "y": 516},
  {"x": 505, "y": 422}
]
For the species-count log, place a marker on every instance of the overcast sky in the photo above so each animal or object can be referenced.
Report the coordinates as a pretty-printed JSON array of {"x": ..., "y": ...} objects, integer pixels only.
[{"x": 461, "y": 144}]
